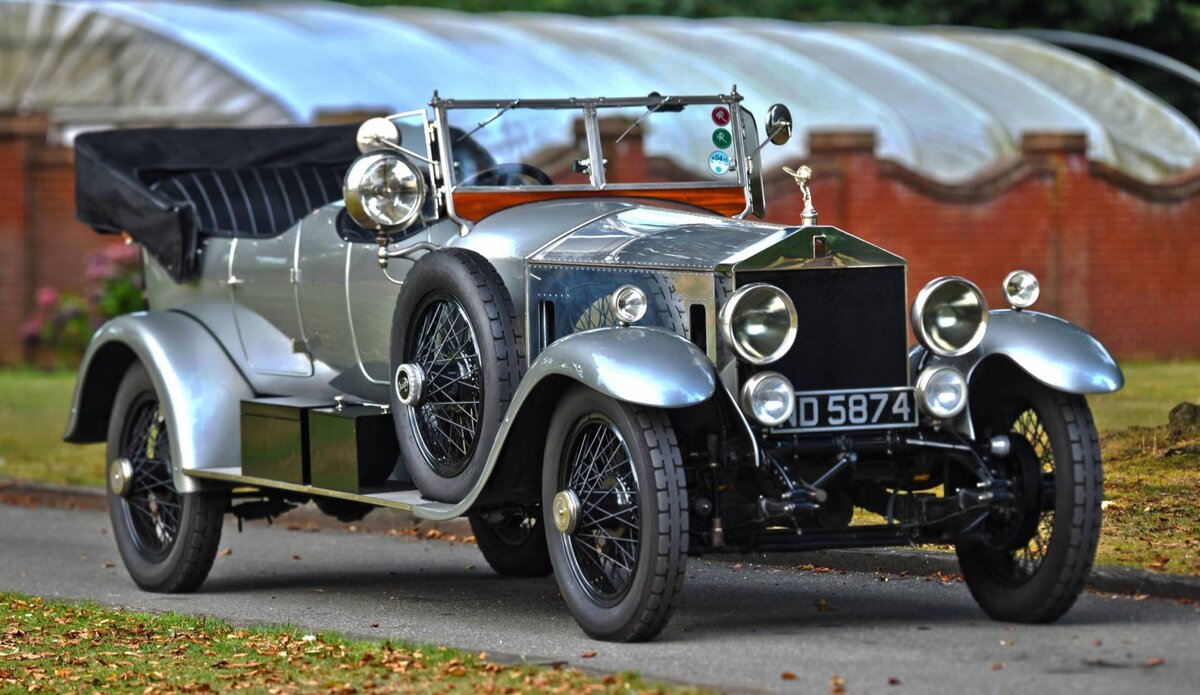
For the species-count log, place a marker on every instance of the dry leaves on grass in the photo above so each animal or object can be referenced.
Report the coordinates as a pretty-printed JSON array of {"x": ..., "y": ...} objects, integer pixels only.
[{"x": 57, "y": 646}]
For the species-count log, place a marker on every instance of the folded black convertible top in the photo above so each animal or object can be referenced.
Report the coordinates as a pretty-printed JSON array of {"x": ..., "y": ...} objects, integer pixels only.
[{"x": 115, "y": 170}]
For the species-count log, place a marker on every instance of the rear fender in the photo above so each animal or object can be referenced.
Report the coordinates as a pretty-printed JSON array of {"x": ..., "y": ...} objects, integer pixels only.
[{"x": 198, "y": 385}]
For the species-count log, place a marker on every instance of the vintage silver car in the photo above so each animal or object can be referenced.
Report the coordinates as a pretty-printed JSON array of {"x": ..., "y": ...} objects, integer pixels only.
[{"x": 555, "y": 318}]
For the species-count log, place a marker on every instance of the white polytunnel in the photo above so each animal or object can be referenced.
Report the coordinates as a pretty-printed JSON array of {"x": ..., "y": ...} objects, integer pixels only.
[{"x": 946, "y": 102}]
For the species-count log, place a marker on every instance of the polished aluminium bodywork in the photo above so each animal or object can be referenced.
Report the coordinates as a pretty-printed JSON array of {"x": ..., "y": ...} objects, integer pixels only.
[
  {"x": 308, "y": 313},
  {"x": 199, "y": 385},
  {"x": 1055, "y": 352}
]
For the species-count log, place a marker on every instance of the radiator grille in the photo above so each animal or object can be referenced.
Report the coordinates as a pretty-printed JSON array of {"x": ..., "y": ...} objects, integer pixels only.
[{"x": 852, "y": 326}]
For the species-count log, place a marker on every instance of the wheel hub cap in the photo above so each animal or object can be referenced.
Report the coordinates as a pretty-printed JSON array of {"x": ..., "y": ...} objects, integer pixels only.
[
  {"x": 410, "y": 384},
  {"x": 565, "y": 510},
  {"x": 119, "y": 475}
]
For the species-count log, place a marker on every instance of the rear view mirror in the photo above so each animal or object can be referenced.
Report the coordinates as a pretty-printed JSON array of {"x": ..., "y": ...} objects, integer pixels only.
[
  {"x": 779, "y": 124},
  {"x": 378, "y": 133}
]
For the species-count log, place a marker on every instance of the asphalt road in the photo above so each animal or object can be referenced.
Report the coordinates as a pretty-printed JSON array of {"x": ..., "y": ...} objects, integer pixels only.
[{"x": 739, "y": 628}]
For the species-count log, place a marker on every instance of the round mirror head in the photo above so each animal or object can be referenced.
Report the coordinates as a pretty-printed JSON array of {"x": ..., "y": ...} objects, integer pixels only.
[
  {"x": 376, "y": 133},
  {"x": 779, "y": 124}
]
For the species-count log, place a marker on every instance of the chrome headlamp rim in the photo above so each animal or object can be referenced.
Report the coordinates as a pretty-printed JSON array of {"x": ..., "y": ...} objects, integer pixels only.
[
  {"x": 356, "y": 202},
  {"x": 747, "y": 395},
  {"x": 617, "y": 309},
  {"x": 728, "y": 312},
  {"x": 920, "y": 304},
  {"x": 922, "y": 387},
  {"x": 1013, "y": 297}
]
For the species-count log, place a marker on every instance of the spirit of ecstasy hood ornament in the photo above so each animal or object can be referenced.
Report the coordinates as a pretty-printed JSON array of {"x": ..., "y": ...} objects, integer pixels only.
[{"x": 808, "y": 216}]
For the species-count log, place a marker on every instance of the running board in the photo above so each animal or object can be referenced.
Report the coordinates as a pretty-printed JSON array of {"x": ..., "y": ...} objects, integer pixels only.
[{"x": 399, "y": 496}]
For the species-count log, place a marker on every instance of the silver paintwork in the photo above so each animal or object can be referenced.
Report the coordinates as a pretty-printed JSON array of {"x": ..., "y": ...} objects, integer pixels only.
[
  {"x": 1057, "y": 353},
  {"x": 647, "y": 366},
  {"x": 198, "y": 387}
]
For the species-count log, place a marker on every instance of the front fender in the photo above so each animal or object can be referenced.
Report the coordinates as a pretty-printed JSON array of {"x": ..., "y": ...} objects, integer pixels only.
[
  {"x": 647, "y": 366},
  {"x": 199, "y": 387},
  {"x": 1055, "y": 352}
]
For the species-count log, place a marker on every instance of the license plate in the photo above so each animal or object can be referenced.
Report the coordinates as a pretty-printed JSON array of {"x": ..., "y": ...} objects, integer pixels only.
[{"x": 856, "y": 409}]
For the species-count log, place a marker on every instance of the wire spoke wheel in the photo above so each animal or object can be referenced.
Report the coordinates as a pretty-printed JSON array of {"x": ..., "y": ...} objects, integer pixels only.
[
  {"x": 447, "y": 421},
  {"x": 1028, "y": 558},
  {"x": 152, "y": 504},
  {"x": 603, "y": 549},
  {"x": 1030, "y": 562}
]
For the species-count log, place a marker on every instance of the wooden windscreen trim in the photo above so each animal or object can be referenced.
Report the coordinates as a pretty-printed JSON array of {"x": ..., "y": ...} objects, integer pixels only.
[{"x": 474, "y": 206}]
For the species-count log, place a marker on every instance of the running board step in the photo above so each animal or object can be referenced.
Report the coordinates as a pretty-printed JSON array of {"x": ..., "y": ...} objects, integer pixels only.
[{"x": 393, "y": 495}]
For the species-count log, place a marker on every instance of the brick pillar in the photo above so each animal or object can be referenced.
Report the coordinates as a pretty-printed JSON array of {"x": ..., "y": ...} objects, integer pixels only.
[
  {"x": 1067, "y": 253},
  {"x": 17, "y": 134}
]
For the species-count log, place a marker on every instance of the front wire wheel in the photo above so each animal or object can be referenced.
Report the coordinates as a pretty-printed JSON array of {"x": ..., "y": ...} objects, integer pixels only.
[
  {"x": 615, "y": 510},
  {"x": 1031, "y": 566}
]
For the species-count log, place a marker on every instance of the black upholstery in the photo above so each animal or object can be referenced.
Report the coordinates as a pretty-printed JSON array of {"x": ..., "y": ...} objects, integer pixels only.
[{"x": 259, "y": 202}]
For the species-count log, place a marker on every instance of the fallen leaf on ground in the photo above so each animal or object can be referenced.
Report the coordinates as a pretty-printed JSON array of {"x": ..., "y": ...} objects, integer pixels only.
[
  {"x": 837, "y": 684},
  {"x": 892, "y": 680},
  {"x": 997, "y": 666},
  {"x": 588, "y": 655},
  {"x": 225, "y": 552},
  {"x": 1155, "y": 661},
  {"x": 788, "y": 676}
]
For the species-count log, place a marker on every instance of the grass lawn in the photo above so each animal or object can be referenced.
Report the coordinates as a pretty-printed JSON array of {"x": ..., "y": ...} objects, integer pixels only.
[
  {"x": 56, "y": 647},
  {"x": 1152, "y": 477},
  {"x": 33, "y": 414}
]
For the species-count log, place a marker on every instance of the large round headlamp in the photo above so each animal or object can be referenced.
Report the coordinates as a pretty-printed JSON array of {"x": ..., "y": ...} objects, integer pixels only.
[
  {"x": 942, "y": 392},
  {"x": 769, "y": 398},
  {"x": 759, "y": 323},
  {"x": 382, "y": 189},
  {"x": 949, "y": 316}
]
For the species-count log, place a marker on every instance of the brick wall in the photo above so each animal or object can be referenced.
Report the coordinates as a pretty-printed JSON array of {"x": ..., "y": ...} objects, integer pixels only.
[{"x": 1119, "y": 257}]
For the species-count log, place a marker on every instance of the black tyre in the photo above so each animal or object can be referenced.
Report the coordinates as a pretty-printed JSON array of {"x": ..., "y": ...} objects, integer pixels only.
[
  {"x": 455, "y": 321},
  {"x": 1031, "y": 567},
  {"x": 512, "y": 542},
  {"x": 621, "y": 563},
  {"x": 167, "y": 539}
]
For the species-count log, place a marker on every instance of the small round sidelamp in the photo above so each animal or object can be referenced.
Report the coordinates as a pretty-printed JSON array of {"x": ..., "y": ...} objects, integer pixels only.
[
  {"x": 628, "y": 303},
  {"x": 949, "y": 316},
  {"x": 383, "y": 190},
  {"x": 942, "y": 392},
  {"x": 769, "y": 398},
  {"x": 1021, "y": 289},
  {"x": 759, "y": 323},
  {"x": 410, "y": 384}
]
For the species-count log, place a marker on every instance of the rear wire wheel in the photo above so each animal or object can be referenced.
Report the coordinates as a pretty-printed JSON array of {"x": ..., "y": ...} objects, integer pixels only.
[
  {"x": 1032, "y": 566},
  {"x": 512, "y": 541},
  {"x": 167, "y": 539}
]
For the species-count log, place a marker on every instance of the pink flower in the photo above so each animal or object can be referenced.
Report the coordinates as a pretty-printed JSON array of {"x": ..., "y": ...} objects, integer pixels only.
[{"x": 47, "y": 298}]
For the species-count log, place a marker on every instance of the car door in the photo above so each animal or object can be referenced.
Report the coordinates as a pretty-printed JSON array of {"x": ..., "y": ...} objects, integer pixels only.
[{"x": 263, "y": 292}]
